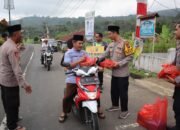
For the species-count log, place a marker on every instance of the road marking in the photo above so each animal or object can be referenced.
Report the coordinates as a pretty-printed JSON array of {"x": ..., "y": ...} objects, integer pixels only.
[
  {"x": 24, "y": 74},
  {"x": 134, "y": 125},
  {"x": 4, "y": 121}
]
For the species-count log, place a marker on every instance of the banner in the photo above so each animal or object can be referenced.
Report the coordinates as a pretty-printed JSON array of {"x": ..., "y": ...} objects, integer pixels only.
[
  {"x": 138, "y": 48},
  {"x": 147, "y": 28},
  {"x": 89, "y": 25},
  {"x": 95, "y": 49}
]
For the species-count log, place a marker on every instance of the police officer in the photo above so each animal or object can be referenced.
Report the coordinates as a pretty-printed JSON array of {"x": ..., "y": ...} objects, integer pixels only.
[
  {"x": 11, "y": 77},
  {"x": 176, "y": 105},
  {"x": 120, "y": 73},
  {"x": 73, "y": 58},
  {"x": 100, "y": 42}
]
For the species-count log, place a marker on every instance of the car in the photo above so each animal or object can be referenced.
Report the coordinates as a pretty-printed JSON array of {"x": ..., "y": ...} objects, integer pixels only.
[
  {"x": 53, "y": 43},
  {"x": 64, "y": 46}
]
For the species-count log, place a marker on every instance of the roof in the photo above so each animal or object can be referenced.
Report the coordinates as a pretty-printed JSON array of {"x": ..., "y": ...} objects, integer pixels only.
[
  {"x": 70, "y": 36},
  {"x": 149, "y": 16}
]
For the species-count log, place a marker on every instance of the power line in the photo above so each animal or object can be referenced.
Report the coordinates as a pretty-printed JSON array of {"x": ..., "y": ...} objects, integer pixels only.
[
  {"x": 91, "y": 8},
  {"x": 151, "y": 5},
  {"x": 78, "y": 7},
  {"x": 73, "y": 8},
  {"x": 57, "y": 6},
  {"x": 66, "y": 7},
  {"x": 162, "y": 5}
]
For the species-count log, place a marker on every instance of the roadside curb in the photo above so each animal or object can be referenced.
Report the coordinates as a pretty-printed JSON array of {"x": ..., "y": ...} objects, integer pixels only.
[{"x": 153, "y": 87}]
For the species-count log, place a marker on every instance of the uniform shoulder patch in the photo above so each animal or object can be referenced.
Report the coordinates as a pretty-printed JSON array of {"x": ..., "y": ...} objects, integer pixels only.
[{"x": 128, "y": 49}]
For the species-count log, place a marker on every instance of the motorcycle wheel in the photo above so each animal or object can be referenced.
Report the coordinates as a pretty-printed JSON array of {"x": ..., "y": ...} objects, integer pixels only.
[
  {"x": 48, "y": 67},
  {"x": 95, "y": 122},
  {"x": 92, "y": 119}
]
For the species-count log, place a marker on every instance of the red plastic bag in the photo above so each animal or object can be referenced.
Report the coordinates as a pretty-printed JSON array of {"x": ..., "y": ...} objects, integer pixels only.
[
  {"x": 107, "y": 64},
  {"x": 169, "y": 70},
  {"x": 88, "y": 61},
  {"x": 154, "y": 116}
]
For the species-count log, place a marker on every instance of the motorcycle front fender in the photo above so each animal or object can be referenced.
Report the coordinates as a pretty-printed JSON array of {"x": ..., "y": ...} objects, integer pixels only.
[{"x": 91, "y": 105}]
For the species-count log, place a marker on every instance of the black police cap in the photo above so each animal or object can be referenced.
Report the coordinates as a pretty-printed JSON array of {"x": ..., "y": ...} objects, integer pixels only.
[
  {"x": 113, "y": 28},
  {"x": 78, "y": 37},
  {"x": 14, "y": 28}
]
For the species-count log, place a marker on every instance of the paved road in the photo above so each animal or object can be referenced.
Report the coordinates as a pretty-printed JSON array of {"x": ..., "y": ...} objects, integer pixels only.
[{"x": 41, "y": 109}]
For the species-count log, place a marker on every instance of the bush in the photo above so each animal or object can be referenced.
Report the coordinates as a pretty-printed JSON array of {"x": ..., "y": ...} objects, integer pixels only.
[
  {"x": 36, "y": 39},
  {"x": 1, "y": 41}
]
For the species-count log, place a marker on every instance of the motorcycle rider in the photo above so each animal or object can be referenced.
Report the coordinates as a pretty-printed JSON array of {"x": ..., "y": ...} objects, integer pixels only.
[
  {"x": 72, "y": 59},
  {"x": 45, "y": 47}
]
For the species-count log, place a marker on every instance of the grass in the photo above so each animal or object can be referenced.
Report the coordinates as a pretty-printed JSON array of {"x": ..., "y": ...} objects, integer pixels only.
[
  {"x": 137, "y": 74},
  {"x": 141, "y": 73}
]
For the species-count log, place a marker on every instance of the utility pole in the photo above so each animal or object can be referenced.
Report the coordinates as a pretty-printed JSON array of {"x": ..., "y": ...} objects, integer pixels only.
[
  {"x": 9, "y": 5},
  {"x": 47, "y": 31},
  {"x": 45, "y": 26}
]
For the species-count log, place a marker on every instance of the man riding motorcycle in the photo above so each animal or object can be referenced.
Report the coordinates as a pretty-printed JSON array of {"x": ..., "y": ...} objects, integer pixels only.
[
  {"x": 72, "y": 59},
  {"x": 44, "y": 48}
]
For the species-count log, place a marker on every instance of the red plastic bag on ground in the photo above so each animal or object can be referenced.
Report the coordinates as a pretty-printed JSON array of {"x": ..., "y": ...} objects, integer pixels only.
[
  {"x": 88, "y": 61},
  {"x": 168, "y": 70},
  {"x": 107, "y": 64},
  {"x": 154, "y": 116}
]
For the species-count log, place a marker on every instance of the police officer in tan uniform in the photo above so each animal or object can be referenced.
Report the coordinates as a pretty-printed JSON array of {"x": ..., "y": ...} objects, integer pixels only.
[
  {"x": 176, "y": 81},
  {"x": 11, "y": 77},
  {"x": 120, "y": 74}
]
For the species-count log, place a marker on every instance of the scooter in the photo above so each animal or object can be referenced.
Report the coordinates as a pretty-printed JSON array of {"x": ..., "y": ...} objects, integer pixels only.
[{"x": 85, "y": 102}]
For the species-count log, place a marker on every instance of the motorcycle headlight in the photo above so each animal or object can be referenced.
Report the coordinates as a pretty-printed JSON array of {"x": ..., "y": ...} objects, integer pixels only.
[
  {"x": 91, "y": 95},
  {"x": 48, "y": 54}
]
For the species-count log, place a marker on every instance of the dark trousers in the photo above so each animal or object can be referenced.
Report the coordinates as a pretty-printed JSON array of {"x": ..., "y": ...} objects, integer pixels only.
[
  {"x": 70, "y": 93},
  {"x": 119, "y": 90},
  {"x": 11, "y": 101},
  {"x": 176, "y": 106},
  {"x": 100, "y": 76}
]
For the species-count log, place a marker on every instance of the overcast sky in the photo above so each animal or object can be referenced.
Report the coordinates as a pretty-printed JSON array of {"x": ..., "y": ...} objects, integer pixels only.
[{"x": 76, "y": 8}]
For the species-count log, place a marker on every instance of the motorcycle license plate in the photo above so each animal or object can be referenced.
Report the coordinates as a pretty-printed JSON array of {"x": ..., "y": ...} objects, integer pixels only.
[
  {"x": 48, "y": 58},
  {"x": 89, "y": 80}
]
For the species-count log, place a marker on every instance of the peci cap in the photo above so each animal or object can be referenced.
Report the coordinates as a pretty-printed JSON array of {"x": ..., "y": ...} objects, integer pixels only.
[
  {"x": 113, "y": 28},
  {"x": 78, "y": 37},
  {"x": 14, "y": 28}
]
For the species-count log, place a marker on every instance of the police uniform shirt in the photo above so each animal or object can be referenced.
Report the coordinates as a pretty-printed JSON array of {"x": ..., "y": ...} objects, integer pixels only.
[
  {"x": 116, "y": 52},
  {"x": 10, "y": 71},
  {"x": 72, "y": 56}
]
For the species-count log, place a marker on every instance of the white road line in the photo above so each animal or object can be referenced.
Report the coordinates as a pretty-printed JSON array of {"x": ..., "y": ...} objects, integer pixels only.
[
  {"x": 24, "y": 74},
  {"x": 134, "y": 125},
  {"x": 3, "y": 123}
]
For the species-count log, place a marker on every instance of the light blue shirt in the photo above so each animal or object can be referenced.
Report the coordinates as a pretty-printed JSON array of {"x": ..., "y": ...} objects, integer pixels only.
[{"x": 72, "y": 56}]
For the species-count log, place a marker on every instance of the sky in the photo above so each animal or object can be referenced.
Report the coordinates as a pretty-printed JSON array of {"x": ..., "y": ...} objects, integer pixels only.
[{"x": 76, "y": 8}]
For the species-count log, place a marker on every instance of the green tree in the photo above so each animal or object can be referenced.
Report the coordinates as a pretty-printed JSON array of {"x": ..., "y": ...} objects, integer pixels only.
[
  {"x": 165, "y": 33},
  {"x": 36, "y": 39}
]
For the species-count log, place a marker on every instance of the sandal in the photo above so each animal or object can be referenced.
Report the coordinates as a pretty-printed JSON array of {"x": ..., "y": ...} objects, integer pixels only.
[
  {"x": 20, "y": 128},
  {"x": 101, "y": 115},
  {"x": 62, "y": 118}
]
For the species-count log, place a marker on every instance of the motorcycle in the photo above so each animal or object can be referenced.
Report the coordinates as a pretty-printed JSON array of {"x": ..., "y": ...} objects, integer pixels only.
[
  {"x": 48, "y": 57},
  {"x": 85, "y": 102}
]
